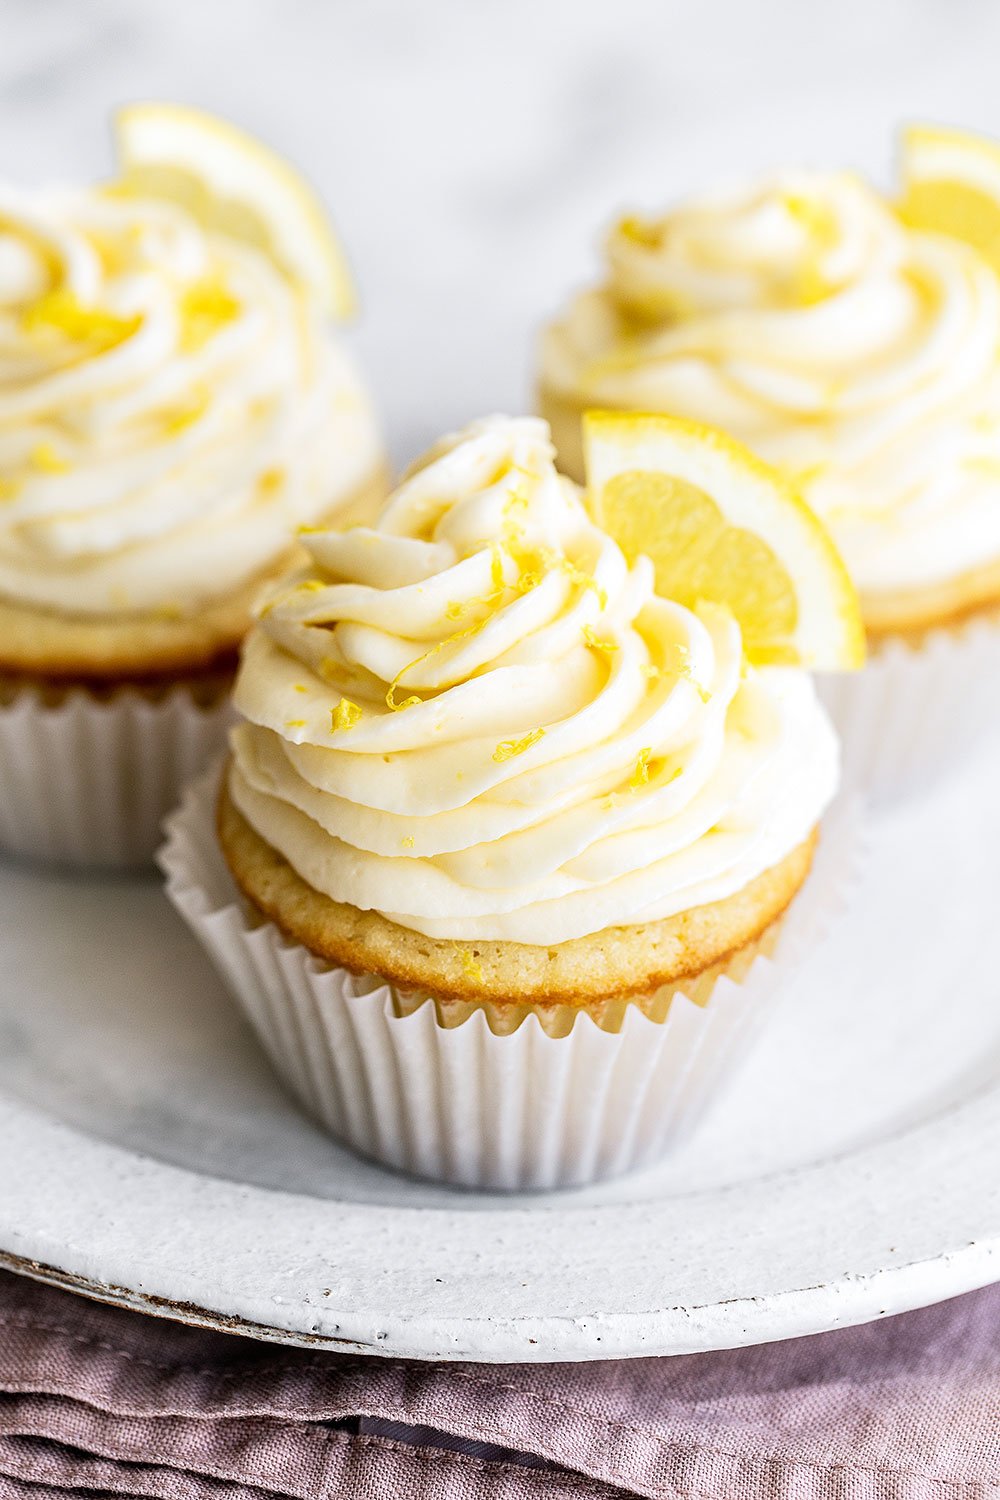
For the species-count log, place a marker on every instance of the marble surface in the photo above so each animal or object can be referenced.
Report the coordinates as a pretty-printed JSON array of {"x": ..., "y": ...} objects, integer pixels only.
[{"x": 472, "y": 152}]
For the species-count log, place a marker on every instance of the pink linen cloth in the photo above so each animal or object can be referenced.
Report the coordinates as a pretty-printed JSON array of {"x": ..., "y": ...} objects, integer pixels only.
[{"x": 99, "y": 1400}]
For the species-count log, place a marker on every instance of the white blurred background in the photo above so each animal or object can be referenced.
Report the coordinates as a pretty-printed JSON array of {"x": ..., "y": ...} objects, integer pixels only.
[{"x": 471, "y": 151}]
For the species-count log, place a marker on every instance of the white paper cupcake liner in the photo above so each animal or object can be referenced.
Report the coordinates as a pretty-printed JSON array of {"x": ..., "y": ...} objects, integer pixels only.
[
  {"x": 86, "y": 782},
  {"x": 461, "y": 1104},
  {"x": 914, "y": 712}
]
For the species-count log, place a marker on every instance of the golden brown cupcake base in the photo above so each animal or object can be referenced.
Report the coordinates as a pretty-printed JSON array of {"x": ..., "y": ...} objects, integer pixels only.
[
  {"x": 620, "y": 963},
  {"x": 949, "y": 605},
  {"x": 41, "y": 644},
  {"x": 205, "y": 687},
  {"x": 45, "y": 644}
]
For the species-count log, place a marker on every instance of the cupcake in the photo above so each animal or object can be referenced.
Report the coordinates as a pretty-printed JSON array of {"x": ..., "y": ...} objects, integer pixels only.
[
  {"x": 853, "y": 341},
  {"x": 174, "y": 404},
  {"x": 510, "y": 827}
]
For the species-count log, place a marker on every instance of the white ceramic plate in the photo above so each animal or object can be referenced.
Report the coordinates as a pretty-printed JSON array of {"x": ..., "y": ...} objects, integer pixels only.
[{"x": 148, "y": 1156}]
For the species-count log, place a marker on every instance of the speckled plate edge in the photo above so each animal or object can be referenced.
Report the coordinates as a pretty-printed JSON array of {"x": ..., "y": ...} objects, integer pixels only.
[{"x": 910, "y": 1221}]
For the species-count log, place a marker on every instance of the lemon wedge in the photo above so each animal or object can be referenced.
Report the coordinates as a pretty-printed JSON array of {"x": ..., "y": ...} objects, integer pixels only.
[
  {"x": 235, "y": 185},
  {"x": 721, "y": 527},
  {"x": 951, "y": 185}
]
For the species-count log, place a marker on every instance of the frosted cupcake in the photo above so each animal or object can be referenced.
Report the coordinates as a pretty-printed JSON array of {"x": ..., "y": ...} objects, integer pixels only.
[
  {"x": 514, "y": 813},
  {"x": 854, "y": 343},
  {"x": 173, "y": 404}
]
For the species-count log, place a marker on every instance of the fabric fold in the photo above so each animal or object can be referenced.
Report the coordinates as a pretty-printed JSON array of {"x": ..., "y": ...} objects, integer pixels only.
[{"x": 99, "y": 1399}]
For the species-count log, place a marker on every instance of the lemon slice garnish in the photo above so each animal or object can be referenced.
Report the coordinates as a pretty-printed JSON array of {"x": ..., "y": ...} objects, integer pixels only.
[
  {"x": 235, "y": 185},
  {"x": 721, "y": 527},
  {"x": 951, "y": 185}
]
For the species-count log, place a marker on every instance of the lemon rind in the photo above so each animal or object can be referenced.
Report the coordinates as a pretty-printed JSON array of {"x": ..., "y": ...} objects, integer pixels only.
[
  {"x": 150, "y": 133},
  {"x": 831, "y": 632}
]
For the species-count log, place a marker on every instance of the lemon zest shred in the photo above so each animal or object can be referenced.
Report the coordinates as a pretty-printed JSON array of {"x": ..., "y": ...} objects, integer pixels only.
[
  {"x": 178, "y": 419},
  {"x": 45, "y": 457},
  {"x": 684, "y": 671},
  {"x": 271, "y": 481},
  {"x": 496, "y": 568},
  {"x": 517, "y": 500},
  {"x": 820, "y": 226},
  {"x": 62, "y": 311},
  {"x": 591, "y": 638},
  {"x": 204, "y": 307},
  {"x": 408, "y": 842},
  {"x": 816, "y": 219},
  {"x": 523, "y": 556},
  {"x": 640, "y": 773},
  {"x": 584, "y": 580},
  {"x": 345, "y": 715},
  {"x": 526, "y": 558},
  {"x": 295, "y": 723},
  {"x": 450, "y": 640},
  {"x": 471, "y": 965},
  {"x": 533, "y": 562},
  {"x": 299, "y": 687},
  {"x": 390, "y": 697},
  {"x": 553, "y": 560},
  {"x": 288, "y": 595},
  {"x": 507, "y": 749},
  {"x": 456, "y": 608},
  {"x": 653, "y": 673}
]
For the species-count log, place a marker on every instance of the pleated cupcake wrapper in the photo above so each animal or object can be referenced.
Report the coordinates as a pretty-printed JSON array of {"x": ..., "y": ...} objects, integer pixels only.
[
  {"x": 915, "y": 711},
  {"x": 558, "y": 1019},
  {"x": 87, "y": 781},
  {"x": 459, "y": 1103}
]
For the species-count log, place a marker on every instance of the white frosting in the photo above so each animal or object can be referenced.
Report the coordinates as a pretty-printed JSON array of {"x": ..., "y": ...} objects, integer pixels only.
[
  {"x": 805, "y": 318},
  {"x": 171, "y": 407},
  {"x": 583, "y": 754}
]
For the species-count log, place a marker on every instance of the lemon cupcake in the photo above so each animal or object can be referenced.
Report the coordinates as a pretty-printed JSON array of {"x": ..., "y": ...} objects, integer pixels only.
[
  {"x": 173, "y": 405},
  {"x": 519, "y": 825},
  {"x": 852, "y": 341}
]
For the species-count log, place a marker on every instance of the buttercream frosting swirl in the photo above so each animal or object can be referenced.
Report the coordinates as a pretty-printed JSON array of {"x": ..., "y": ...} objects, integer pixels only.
[
  {"x": 802, "y": 315},
  {"x": 171, "y": 407},
  {"x": 478, "y": 720}
]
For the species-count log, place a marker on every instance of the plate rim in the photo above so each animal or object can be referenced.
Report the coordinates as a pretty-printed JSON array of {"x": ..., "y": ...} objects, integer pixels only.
[
  {"x": 190, "y": 1315},
  {"x": 964, "y": 1258}
]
